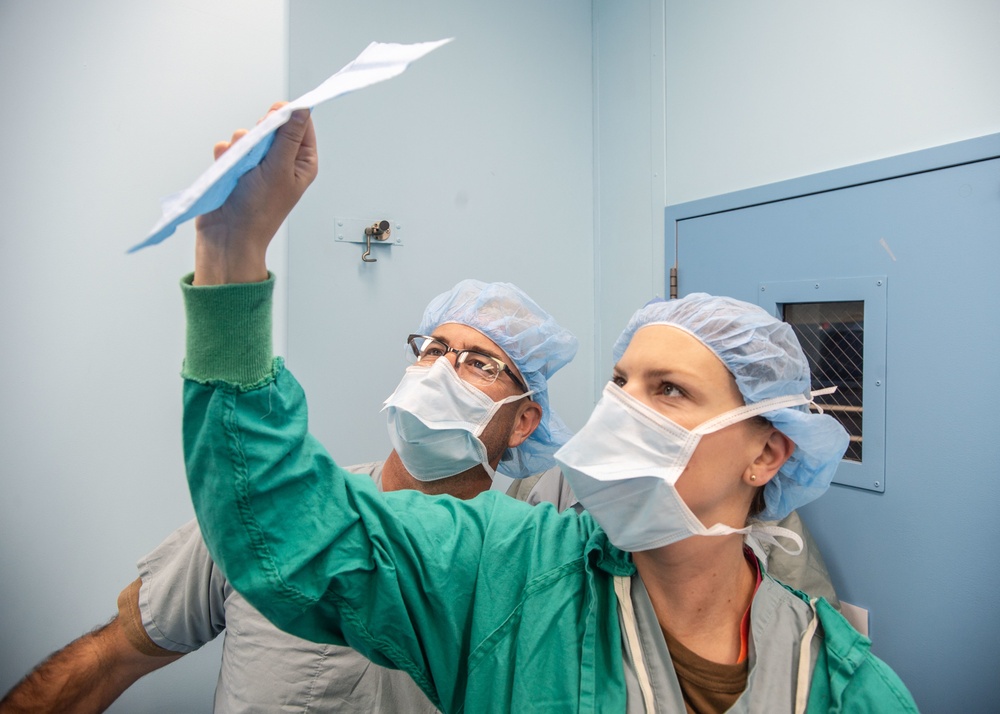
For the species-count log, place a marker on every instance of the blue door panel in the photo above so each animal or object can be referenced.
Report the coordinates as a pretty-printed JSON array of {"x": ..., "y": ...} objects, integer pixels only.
[{"x": 920, "y": 555}]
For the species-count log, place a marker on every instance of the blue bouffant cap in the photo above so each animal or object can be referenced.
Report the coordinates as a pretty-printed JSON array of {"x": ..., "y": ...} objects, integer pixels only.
[{"x": 536, "y": 344}]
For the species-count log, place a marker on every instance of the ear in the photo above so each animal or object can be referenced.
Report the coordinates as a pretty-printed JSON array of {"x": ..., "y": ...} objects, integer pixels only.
[
  {"x": 529, "y": 416},
  {"x": 775, "y": 451}
]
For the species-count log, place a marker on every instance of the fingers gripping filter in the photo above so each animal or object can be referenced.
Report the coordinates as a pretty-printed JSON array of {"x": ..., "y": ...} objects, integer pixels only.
[
  {"x": 536, "y": 344},
  {"x": 765, "y": 358}
]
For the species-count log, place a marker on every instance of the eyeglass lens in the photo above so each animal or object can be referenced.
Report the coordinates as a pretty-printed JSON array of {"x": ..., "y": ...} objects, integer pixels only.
[{"x": 472, "y": 366}]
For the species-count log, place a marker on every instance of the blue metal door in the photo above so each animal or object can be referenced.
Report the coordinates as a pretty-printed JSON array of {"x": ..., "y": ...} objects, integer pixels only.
[{"x": 910, "y": 529}]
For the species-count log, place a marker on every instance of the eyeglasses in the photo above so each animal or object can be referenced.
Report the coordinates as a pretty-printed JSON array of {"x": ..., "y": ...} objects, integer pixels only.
[{"x": 476, "y": 368}]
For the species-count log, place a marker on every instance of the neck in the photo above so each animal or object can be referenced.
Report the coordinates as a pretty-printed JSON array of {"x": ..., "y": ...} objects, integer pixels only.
[
  {"x": 700, "y": 588},
  {"x": 465, "y": 485}
]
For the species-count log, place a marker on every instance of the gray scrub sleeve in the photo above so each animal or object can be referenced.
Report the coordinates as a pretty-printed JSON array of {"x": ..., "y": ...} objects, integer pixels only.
[
  {"x": 183, "y": 594},
  {"x": 548, "y": 487}
]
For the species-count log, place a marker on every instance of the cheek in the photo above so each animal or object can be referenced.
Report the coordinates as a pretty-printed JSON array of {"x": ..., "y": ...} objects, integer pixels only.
[
  {"x": 717, "y": 463},
  {"x": 496, "y": 391},
  {"x": 501, "y": 423}
]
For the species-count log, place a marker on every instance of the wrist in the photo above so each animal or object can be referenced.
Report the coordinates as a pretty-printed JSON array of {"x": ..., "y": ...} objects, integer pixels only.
[{"x": 216, "y": 264}]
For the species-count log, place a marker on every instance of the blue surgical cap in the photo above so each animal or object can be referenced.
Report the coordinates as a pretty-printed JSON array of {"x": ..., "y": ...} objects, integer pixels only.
[
  {"x": 534, "y": 342},
  {"x": 765, "y": 357}
]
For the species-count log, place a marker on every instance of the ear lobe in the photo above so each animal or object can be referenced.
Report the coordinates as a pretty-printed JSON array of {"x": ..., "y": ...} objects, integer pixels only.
[
  {"x": 529, "y": 416},
  {"x": 776, "y": 451}
]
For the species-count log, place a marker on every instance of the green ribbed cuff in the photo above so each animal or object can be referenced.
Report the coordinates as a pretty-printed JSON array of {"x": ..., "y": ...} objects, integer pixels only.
[{"x": 228, "y": 332}]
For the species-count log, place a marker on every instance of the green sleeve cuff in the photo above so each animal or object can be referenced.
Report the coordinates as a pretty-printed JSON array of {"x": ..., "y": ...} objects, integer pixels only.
[{"x": 228, "y": 332}]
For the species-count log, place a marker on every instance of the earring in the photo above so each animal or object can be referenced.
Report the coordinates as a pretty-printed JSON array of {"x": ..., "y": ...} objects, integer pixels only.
[{"x": 753, "y": 477}]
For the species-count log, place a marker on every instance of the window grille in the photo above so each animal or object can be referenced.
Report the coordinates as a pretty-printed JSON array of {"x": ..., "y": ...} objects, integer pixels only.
[{"x": 832, "y": 337}]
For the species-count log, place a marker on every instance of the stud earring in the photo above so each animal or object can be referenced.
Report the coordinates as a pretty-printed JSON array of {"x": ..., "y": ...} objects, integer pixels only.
[{"x": 753, "y": 477}]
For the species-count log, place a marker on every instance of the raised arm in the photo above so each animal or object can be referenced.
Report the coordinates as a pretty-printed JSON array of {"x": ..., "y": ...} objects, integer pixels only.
[
  {"x": 418, "y": 583},
  {"x": 91, "y": 672}
]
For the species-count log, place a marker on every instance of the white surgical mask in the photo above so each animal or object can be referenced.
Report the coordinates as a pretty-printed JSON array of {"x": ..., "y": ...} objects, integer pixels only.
[
  {"x": 435, "y": 420},
  {"x": 624, "y": 464}
]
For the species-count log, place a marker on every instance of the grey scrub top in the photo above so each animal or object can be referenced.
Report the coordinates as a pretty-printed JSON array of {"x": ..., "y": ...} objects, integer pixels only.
[{"x": 776, "y": 618}]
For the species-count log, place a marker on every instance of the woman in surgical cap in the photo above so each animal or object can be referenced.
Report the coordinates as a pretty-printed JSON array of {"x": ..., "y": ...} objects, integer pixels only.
[{"x": 704, "y": 428}]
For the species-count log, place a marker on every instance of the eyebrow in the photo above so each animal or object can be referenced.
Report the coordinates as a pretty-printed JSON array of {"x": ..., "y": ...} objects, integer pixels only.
[{"x": 658, "y": 374}]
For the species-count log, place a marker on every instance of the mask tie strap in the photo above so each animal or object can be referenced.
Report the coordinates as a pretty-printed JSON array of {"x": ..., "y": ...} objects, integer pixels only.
[
  {"x": 771, "y": 533},
  {"x": 741, "y": 413},
  {"x": 516, "y": 397},
  {"x": 819, "y": 393},
  {"x": 765, "y": 405}
]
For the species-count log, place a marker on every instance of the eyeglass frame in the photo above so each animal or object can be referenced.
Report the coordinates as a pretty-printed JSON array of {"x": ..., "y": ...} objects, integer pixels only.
[{"x": 460, "y": 356}]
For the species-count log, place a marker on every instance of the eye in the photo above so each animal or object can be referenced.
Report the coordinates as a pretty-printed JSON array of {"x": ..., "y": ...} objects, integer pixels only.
[
  {"x": 480, "y": 363},
  {"x": 619, "y": 380},
  {"x": 669, "y": 389},
  {"x": 432, "y": 349}
]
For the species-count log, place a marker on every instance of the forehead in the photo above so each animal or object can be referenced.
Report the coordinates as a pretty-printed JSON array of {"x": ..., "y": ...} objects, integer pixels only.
[{"x": 664, "y": 347}]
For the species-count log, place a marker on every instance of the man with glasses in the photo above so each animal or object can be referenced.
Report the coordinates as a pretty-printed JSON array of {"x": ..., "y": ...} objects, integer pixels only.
[{"x": 474, "y": 402}]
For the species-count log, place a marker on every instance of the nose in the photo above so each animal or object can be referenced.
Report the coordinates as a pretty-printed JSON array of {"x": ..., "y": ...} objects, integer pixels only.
[{"x": 633, "y": 388}]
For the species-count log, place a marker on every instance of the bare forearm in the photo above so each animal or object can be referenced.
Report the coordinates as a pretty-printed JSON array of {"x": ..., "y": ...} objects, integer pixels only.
[{"x": 85, "y": 676}]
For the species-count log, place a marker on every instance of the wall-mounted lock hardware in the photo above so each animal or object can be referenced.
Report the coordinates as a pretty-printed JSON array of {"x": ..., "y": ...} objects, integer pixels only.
[
  {"x": 379, "y": 231},
  {"x": 352, "y": 230}
]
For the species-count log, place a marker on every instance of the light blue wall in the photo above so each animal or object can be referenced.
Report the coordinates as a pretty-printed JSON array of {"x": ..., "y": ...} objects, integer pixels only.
[
  {"x": 481, "y": 152},
  {"x": 110, "y": 104},
  {"x": 629, "y": 176},
  {"x": 758, "y": 92}
]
